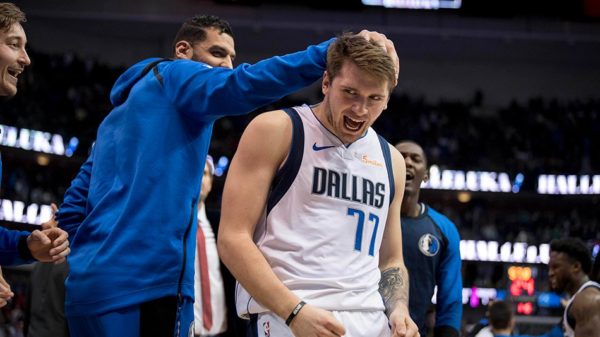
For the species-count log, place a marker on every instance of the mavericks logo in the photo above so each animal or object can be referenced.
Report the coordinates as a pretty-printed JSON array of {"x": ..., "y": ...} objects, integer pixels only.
[{"x": 429, "y": 245}]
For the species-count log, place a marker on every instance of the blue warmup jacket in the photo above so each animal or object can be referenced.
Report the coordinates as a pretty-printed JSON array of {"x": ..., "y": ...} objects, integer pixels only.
[
  {"x": 13, "y": 244},
  {"x": 431, "y": 248},
  {"x": 131, "y": 210}
]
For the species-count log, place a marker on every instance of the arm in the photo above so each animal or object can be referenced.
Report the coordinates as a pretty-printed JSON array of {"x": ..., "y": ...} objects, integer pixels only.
[
  {"x": 200, "y": 91},
  {"x": 261, "y": 152},
  {"x": 394, "y": 276},
  {"x": 74, "y": 207},
  {"x": 449, "y": 283},
  {"x": 586, "y": 311}
]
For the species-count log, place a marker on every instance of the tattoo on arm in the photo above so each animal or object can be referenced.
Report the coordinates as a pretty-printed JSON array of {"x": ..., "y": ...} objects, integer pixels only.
[{"x": 394, "y": 287}]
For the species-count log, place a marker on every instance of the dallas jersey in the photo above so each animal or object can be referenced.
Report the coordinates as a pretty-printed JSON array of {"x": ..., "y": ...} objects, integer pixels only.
[
  {"x": 324, "y": 218},
  {"x": 568, "y": 320}
]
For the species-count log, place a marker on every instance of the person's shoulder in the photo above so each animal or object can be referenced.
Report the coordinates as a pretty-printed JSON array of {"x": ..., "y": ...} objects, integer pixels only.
[
  {"x": 586, "y": 302},
  {"x": 271, "y": 120},
  {"x": 445, "y": 224}
]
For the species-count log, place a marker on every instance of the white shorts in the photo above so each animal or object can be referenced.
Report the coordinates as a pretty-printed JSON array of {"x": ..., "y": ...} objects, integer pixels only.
[{"x": 356, "y": 323}]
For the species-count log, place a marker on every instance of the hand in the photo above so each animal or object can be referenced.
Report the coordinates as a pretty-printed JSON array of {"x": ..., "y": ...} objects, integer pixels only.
[
  {"x": 5, "y": 293},
  {"x": 387, "y": 45},
  {"x": 49, "y": 245},
  {"x": 401, "y": 323},
  {"x": 52, "y": 222},
  {"x": 315, "y": 322}
]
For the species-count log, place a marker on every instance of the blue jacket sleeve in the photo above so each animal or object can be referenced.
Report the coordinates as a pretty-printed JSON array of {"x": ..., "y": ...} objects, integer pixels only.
[
  {"x": 9, "y": 247},
  {"x": 74, "y": 207},
  {"x": 449, "y": 281},
  {"x": 201, "y": 91}
]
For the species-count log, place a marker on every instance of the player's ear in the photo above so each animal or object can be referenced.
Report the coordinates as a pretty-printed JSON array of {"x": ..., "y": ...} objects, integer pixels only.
[
  {"x": 183, "y": 50},
  {"x": 426, "y": 175},
  {"x": 326, "y": 83}
]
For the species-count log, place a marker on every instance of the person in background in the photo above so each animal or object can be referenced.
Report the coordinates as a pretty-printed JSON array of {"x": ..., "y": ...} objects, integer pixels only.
[{"x": 431, "y": 247}]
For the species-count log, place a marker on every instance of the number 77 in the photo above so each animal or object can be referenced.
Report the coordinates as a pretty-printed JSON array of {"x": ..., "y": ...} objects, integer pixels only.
[{"x": 360, "y": 228}]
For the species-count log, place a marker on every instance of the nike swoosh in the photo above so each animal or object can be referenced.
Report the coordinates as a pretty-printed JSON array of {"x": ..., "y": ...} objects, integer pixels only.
[{"x": 319, "y": 148}]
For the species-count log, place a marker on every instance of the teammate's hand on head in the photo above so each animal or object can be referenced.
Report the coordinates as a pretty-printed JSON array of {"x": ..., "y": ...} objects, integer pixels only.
[
  {"x": 49, "y": 245},
  {"x": 52, "y": 222},
  {"x": 316, "y": 322},
  {"x": 386, "y": 44},
  {"x": 401, "y": 323},
  {"x": 6, "y": 293}
]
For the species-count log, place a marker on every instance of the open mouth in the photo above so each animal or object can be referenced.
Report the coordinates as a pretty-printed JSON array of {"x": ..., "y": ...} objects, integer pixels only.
[
  {"x": 13, "y": 72},
  {"x": 352, "y": 124},
  {"x": 409, "y": 176}
]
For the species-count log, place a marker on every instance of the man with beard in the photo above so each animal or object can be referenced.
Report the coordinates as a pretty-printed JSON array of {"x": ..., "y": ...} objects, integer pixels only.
[{"x": 568, "y": 268}]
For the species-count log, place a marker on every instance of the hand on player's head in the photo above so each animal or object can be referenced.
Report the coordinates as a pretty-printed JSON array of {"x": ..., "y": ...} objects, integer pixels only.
[{"x": 386, "y": 44}]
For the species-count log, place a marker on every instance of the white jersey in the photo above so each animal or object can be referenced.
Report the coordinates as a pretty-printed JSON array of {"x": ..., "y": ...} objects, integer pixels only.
[
  {"x": 324, "y": 220},
  {"x": 568, "y": 325}
]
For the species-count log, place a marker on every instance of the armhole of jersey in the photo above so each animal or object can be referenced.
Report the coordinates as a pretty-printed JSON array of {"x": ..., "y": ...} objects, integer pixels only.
[
  {"x": 286, "y": 175},
  {"x": 387, "y": 156}
]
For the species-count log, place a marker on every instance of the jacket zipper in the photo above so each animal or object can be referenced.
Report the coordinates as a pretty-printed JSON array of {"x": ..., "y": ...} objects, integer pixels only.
[{"x": 179, "y": 296}]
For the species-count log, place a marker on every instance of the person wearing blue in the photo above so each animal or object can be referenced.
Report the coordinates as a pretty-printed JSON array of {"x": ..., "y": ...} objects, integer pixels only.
[
  {"x": 19, "y": 247},
  {"x": 431, "y": 246},
  {"x": 131, "y": 209}
]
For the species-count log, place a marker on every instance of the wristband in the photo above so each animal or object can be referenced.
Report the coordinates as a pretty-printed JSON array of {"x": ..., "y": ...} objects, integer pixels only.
[{"x": 294, "y": 313}]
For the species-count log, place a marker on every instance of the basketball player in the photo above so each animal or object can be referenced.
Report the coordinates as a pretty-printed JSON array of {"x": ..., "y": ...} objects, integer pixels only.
[
  {"x": 18, "y": 247},
  {"x": 311, "y": 210},
  {"x": 133, "y": 205},
  {"x": 568, "y": 268},
  {"x": 431, "y": 247},
  {"x": 210, "y": 316}
]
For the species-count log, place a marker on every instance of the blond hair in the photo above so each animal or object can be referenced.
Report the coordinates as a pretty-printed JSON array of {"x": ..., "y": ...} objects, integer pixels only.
[
  {"x": 9, "y": 15},
  {"x": 366, "y": 55}
]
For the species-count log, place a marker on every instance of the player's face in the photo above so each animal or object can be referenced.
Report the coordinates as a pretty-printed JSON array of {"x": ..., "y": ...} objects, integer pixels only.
[
  {"x": 559, "y": 268},
  {"x": 354, "y": 99},
  {"x": 207, "y": 179},
  {"x": 216, "y": 50},
  {"x": 13, "y": 58},
  {"x": 416, "y": 166}
]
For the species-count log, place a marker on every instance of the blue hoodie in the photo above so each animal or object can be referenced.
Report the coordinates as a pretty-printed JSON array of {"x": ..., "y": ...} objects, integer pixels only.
[{"x": 131, "y": 209}]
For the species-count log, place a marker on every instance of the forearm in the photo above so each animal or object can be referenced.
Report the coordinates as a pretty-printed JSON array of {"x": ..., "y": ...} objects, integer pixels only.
[
  {"x": 247, "y": 264},
  {"x": 393, "y": 287}
]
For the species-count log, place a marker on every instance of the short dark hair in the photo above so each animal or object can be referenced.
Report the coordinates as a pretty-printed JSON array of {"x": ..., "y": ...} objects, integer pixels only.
[
  {"x": 425, "y": 159},
  {"x": 9, "y": 15},
  {"x": 576, "y": 249},
  {"x": 500, "y": 315},
  {"x": 193, "y": 29}
]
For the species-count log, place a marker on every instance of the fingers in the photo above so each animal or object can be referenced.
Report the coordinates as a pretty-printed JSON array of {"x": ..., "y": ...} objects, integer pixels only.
[
  {"x": 37, "y": 235},
  {"x": 335, "y": 327},
  {"x": 387, "y": 45},
  {"x": 6, "y": 293},
  {"x": 52, "y": 222}
]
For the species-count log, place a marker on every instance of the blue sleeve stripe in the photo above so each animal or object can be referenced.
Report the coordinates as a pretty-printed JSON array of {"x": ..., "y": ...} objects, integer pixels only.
[
  {"x": 448, "y": 279},
  {"x": 285, "y": 177},
  {"x": 387, "y": 156}
]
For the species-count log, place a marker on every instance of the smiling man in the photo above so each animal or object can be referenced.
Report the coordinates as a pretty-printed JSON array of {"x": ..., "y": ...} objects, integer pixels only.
[
  {"x": 431, "y": 246},
  {"x": 310, "y": 223},
  {"x": 13, "y": 56},
  {"x": 49, "y": 245}
]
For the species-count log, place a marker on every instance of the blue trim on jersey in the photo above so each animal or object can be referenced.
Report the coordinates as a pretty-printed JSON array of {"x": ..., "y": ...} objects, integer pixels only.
[
  {"x": 253, "y": 326},
  {"x": 448, "y": 278},
  {"x": 387, "y": 156},
  {"x": 285, "y": 177}
]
